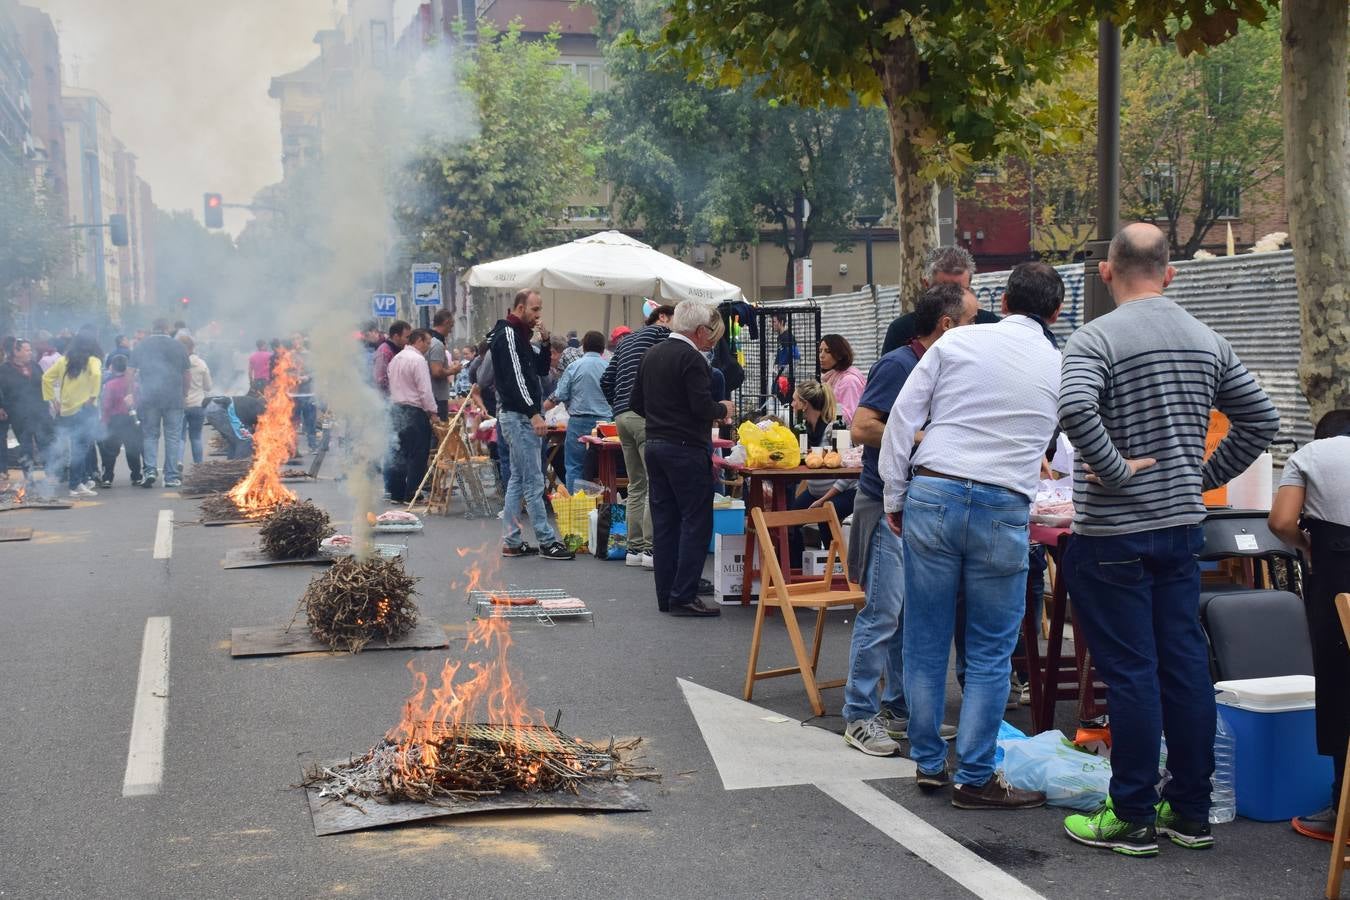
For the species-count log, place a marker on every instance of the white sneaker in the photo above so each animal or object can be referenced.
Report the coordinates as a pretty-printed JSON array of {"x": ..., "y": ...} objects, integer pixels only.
[
  {"x": 633, "y": 559},
  {"x": 89, "y": 485},
  {"x": 83, "y": 491},
  {"x": 648, "y": 562}
]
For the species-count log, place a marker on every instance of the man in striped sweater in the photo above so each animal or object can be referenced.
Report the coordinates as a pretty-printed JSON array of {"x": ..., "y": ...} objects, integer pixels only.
[
  {"x": 617, "y": 384},
  {"x": 1137, "y": 389}
]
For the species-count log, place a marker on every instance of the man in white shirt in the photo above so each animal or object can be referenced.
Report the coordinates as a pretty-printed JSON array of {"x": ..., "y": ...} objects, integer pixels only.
[{"x": 986, "y": 398}]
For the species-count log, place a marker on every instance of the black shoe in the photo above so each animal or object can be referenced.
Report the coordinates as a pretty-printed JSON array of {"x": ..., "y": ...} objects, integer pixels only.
[
  {"x": 694, "y": 608},
  {"x": 705, "y": 588},
  {"x": 148, "y": 481},
  {"x": 137, "y": 481},
  {"x": 932, "y": 781},
  {"x": 512, "y": 552},
  {"x": 556, "y": 550},
  {"x": 529, "y": 549},
  {"x": 105, "y": 483}
]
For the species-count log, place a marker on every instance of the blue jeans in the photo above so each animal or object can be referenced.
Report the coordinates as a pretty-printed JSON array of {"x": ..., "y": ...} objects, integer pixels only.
[
  {"x": 171, "y": 420},
  {"x": 574, "y": 452},
  {"x": 679, "y": 491},
  {"x": 877, "y": 634},
  {"x": 77, "y": 432},
  {"x": 527, "y": 481},
  {"x": 1136, "y": 598},
  {"x": 193, "y": 419},
  {"x": 971, "y": 537}
]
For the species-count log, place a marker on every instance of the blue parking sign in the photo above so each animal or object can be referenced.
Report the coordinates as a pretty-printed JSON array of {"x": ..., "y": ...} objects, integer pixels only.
[{"x": 384, "y": 306}]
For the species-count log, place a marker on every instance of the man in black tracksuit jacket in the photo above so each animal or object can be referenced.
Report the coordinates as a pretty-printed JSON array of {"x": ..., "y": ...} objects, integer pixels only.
[{"x": 517, "y": 366}]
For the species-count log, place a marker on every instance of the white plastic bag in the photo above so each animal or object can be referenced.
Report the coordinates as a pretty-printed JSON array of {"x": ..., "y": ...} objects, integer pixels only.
[{"x": 1048, "y": 762}]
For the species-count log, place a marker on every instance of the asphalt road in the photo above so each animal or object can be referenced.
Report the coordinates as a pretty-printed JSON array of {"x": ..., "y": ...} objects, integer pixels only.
[{"x": 227, "y": 821}]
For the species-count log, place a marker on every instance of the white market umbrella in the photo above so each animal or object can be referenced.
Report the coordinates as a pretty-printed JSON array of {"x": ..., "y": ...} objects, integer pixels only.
[{"x": 608, "y": 262}]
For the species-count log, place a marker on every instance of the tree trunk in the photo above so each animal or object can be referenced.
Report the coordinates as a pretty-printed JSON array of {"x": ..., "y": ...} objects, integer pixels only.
[
  {"x": 1317, "y": 191},
  {"x": 915, "y": 198}
]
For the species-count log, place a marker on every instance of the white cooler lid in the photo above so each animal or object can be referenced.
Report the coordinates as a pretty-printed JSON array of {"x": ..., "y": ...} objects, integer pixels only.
[{"x": 1283, "y": 693}]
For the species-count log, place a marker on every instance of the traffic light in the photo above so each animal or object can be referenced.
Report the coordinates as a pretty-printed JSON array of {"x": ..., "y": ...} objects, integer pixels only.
[
  {"x": 117, "y": 225},
  {"x": 213, "y": 211},
  {"x": 185, "y": 301}
]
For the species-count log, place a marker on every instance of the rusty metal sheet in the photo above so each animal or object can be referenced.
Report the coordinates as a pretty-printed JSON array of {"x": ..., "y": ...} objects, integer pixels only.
[
  {"x": 333, "y": 817},
  {"x": 276, "y": 640},
  {"x": 253, "y": 558}
]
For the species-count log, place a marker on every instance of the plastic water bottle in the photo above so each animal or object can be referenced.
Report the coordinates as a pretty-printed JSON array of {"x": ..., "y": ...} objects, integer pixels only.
[{"x": 1223, "y": 798}]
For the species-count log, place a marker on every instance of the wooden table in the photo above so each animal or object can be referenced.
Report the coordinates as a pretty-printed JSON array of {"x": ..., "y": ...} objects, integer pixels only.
[
  {"x": 1052, "y": 678},
  {"x": 779, "y": 480},
  {"x": 611, "y": 451}
]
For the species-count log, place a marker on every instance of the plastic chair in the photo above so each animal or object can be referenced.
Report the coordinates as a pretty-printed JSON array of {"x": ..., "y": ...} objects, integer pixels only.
[
  {"x": 1339, "y": 858},
  {"x": 1253, "y": 631},
  {"x": 818, "y": 594}
]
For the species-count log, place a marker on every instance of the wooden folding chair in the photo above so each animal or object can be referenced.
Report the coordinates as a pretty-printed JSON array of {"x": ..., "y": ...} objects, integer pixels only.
[
  {"x": 1339, "y": 858},
  {"x": 819, "y": 595}
]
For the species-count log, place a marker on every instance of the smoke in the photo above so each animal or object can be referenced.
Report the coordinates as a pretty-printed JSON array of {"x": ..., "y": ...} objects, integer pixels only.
[{"x": 353, "y": 231}]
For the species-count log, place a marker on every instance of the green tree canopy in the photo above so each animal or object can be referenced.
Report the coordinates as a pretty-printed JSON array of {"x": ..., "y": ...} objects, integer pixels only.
[
  {"x": 693, "y": 163},
  {"x": 953, "y": 74},
  {"x": 503, "y": 191},
  {"x": 34, "y": 239}
]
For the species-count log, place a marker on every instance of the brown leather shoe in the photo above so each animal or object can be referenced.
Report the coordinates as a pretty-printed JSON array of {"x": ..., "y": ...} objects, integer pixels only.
[
  {"x": 694, "y": 608},
  {"x": 995, "y": 794}
]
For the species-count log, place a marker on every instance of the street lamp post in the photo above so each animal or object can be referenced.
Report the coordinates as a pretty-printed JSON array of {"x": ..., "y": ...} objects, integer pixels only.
[{"x": 868, "y": 222}]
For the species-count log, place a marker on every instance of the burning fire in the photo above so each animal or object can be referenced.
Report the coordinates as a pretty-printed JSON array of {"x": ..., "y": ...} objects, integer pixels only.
[
  {"x": 273, "y": 444},
  {"x": 440, "y": 717}
]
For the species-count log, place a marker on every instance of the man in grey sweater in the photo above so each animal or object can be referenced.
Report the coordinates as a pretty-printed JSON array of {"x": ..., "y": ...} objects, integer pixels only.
[{"x": 1137, "y": 389}]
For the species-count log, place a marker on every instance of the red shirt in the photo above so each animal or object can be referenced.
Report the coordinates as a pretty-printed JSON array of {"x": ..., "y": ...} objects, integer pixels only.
[{"x": 260, "y": 365}]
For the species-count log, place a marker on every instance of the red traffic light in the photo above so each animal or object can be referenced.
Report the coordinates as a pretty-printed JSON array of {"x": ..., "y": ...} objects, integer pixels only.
[
  {"x": 213, "y": 200},
  {"x": 213, "y": 210},
  {"x": 184, "y": 300}
]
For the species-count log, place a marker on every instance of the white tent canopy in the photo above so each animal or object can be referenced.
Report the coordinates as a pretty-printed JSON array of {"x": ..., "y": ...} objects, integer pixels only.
[{"x": 608, "y": 262}]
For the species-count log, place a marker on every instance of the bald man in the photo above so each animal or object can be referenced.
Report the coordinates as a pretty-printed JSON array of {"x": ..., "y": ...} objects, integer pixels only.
[{"x": 1137, "y": 388}]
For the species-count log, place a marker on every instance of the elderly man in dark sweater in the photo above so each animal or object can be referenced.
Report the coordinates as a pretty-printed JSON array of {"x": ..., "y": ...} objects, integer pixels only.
[{"x": 673, "y": 393}]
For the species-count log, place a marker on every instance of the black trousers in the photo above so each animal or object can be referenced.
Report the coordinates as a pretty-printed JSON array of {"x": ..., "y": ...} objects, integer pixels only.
[
  {"x": 679, "y": 491},
  {"x": 122, "y": 432},
  {"x": 409, "y": 456},
  {"x": 1331, "y": 657}
]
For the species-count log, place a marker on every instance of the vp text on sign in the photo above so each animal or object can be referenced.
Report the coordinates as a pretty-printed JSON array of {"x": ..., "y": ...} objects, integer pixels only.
[{"x": 384, "y": 306}]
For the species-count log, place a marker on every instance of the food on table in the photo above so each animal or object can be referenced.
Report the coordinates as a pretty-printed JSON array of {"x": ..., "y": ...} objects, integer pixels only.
[{"x": 814, "y": 460}]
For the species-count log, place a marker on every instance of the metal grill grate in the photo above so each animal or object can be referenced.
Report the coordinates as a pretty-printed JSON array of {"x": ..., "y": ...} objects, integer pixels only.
[{"x": 484, "y": 608}]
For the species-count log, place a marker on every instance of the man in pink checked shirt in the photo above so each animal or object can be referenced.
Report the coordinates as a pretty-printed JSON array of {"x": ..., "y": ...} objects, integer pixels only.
[{"x": 411, "y": 409}]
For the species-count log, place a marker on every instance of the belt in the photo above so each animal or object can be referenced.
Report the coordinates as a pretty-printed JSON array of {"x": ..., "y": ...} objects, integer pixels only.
[{"x": 929, "y": 473}]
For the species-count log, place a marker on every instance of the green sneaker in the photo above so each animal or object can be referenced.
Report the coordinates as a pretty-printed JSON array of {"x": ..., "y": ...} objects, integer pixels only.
[
  {"x": 1103, "y": 829},
  {"x": 1183, "y": 832}
]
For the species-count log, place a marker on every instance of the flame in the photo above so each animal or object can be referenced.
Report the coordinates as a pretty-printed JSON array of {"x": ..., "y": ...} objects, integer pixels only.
[
  {"x": 273, "y": 443},
  {"x": 435, "y": 718},
  {"x": 370, "y": 517},
  {"x": 20, "y": 493}
]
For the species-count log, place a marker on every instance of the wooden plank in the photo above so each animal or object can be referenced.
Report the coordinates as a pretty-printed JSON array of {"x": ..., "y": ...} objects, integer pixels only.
[
  {"x": 334, "y": 817},
  {"x": 276, "y": 640},
  {"x": 16, "y": 534},
  {"x": 36, "y": 504}
]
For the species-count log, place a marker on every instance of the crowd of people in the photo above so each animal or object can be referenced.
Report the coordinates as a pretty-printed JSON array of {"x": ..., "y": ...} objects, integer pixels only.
[{"x": 959, "y": 420}]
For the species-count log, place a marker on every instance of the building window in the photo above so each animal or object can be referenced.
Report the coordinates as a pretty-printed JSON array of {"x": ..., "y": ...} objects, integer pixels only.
[
  {"x": 379, "y": 44},
  {"x": 1223, "y": 193},
  {"x": 1159, "y": 187}
]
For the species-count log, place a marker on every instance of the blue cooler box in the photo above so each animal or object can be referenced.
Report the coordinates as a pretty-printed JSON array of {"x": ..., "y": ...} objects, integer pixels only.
[
  {"x": 1279, "y": 774},
  {"x": 727, "y": 520}
]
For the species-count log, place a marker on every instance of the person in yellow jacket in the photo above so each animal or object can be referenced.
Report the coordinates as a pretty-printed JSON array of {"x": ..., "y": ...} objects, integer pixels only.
[{"x": 72, "y": 385}]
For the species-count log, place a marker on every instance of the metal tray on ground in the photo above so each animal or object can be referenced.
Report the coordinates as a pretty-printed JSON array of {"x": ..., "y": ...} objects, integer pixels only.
[
  {"x": 36, "y": 504},
  {"x": 384, "y": 551},
  {"x": 278, "y": 640},
  {"x": 398, "y": 527},
  {"x": 483, "y": 607},
  {"x": 16, "y": 534},
  {"x": 253, "y": 558}
]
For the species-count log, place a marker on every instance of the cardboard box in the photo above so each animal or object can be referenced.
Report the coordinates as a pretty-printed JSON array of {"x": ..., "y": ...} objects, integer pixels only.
[
  {"x": 729, "y": 568},
  {"x": 727, "y": 520},
  {"x": 813, "y": 562}
]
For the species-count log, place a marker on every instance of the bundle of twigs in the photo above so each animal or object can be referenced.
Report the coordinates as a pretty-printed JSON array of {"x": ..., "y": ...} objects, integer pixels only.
[
  {"x": 357, "y": 601},
  {"x": 219, "y": 506},
  {"x": 214, "y": 475},
  {"x": 293, "y": 530},
  {"x": 294, "y": 473},
  {"x": 478, "y": 761}
]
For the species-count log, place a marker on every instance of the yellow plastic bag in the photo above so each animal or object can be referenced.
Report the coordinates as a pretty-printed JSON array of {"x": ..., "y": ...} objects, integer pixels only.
[
  {"x": 573, "y": 513},
  {"x": 772, "y": 447}
]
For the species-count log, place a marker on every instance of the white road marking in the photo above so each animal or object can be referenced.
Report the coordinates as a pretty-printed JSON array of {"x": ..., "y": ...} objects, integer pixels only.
[
  {"x": 145, "y": 752},
  {"x": 977, "y": 875},
  {"x": 164, "y": 535},
  {"x": 754, "y": 748}
]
